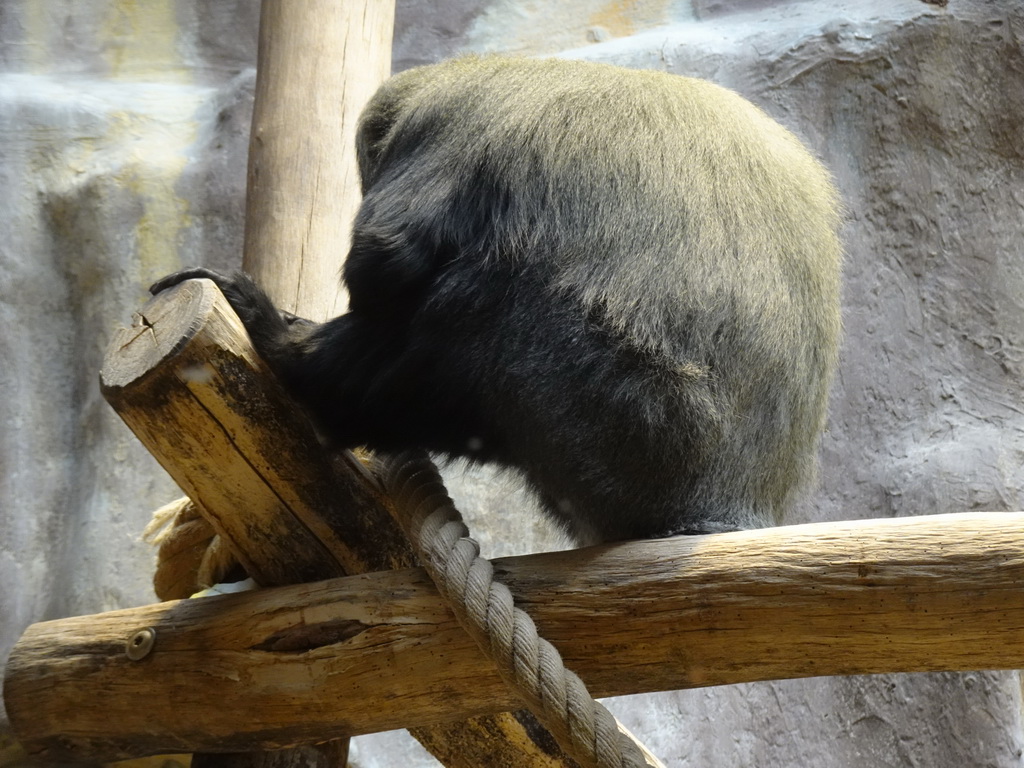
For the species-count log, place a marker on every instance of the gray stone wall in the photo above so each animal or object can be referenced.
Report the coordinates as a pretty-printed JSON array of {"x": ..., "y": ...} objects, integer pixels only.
[{"x": 123, "y": 130}]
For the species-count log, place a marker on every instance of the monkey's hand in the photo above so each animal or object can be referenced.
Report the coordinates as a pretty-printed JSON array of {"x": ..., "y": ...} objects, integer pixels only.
[
  {"x": 226, "y": 284},
  {"x": 267, "y": 326}
]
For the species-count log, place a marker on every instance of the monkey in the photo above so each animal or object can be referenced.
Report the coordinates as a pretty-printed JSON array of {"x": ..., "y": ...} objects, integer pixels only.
[{"x": 623, "y": 284}]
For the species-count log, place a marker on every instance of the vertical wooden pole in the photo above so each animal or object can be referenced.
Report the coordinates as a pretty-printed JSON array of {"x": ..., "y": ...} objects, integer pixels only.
[{"x": 319, "y": 62}]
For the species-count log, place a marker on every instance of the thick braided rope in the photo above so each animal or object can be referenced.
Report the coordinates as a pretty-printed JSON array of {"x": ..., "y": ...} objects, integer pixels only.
[
  {"x": 191, "y": 556},
  {"x": 529, "y": 664}
]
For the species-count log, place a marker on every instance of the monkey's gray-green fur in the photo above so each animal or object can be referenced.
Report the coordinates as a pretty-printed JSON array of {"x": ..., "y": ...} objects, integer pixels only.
[{"x": 625, "y": 284}]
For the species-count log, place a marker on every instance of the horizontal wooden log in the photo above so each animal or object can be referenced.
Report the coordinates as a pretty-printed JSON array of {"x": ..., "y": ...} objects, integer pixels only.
[{"x": 305, "y": 663}]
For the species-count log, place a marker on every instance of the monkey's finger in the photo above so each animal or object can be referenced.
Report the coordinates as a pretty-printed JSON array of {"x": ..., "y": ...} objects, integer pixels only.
[{"x": 187, "y": 274}]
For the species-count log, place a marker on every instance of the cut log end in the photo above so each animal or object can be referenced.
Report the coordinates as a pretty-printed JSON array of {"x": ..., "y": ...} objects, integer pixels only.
[{"x": 167, "y": 323}]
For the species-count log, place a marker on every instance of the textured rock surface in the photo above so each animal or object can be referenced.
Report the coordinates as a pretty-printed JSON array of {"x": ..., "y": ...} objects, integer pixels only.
[{"x": 122, "y": 143}]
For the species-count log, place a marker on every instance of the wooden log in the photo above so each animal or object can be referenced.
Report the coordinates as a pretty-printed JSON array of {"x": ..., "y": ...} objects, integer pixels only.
[
  {"x": 319, "y": 63},
  {"x": 184, "y": 377},
  {"x": 186, "y": 380},
  {"x": 365, "y": 653}
]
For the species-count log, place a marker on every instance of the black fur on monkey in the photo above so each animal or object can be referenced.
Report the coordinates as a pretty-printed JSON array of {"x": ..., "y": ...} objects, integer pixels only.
[{"x": 623, "y": 284}]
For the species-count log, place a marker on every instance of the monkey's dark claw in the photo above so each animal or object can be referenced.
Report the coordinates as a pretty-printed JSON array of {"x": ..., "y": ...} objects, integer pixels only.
[{"x": 188, "y": 274}]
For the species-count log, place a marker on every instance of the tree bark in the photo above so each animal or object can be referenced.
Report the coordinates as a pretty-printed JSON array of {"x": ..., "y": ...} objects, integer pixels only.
[{"x": 304, "y": 663}]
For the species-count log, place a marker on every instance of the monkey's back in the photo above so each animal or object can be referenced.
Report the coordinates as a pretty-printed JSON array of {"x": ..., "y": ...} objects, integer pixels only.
[{"x": 653, "y": 260}]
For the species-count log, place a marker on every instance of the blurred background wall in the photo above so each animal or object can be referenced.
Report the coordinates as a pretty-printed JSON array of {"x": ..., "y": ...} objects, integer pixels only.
[{"x": 123, "y": 135}]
